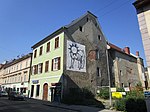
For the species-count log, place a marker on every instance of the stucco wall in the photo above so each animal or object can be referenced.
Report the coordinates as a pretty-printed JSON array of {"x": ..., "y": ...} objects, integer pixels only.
[
  {"x": 50, "y": 76},
  {"x": 144, "y": 24}
]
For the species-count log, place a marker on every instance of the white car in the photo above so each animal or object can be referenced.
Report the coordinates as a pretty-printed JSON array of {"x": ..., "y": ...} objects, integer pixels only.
[{"x": 3, "y": 93}]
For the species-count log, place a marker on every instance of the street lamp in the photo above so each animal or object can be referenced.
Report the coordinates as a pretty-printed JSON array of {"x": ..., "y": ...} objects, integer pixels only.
[{"x": 110, "y": 99}]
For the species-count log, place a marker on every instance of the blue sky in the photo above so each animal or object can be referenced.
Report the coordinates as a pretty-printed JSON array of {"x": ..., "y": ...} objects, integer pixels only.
[{"x": 25, "y": 22}]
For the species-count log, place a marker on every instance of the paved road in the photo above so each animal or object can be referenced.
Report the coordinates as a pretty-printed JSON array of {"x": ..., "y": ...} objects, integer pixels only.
[
  {"x": 32, "y": 105},
  {"x": 27, "y": 106},
  {"x": 148, "y": 104}
]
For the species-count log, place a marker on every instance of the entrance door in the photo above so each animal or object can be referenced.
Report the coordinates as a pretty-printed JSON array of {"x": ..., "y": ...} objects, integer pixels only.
[
  {"x": 32, "y": 90},
  {"x": 45, "y": 91}
]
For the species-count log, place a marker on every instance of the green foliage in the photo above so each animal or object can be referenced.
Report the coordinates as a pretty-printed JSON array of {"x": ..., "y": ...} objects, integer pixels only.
[
  {"x": 120, "y": 104},
  {"x": 133, "y": 102},
  {"x": 120, "y": 89},
  {"x": 104, "y": 93},
  {"x": 135, "y": 94}
]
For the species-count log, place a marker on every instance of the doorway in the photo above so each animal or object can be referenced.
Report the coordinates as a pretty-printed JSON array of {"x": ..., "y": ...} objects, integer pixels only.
[
  {"x": 45, "y": 91},
  {"x": 32, "y": 90}
]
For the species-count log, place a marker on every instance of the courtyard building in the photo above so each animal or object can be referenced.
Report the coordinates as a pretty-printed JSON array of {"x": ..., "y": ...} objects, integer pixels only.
[{"x": 126, "y": 69}]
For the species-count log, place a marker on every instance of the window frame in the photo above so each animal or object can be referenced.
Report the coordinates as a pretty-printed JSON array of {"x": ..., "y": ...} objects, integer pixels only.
[
  {"x": 46, "y": 66},
  {"x": 35, "y": 53},
  {"x": 56, "y": 42},
  {"x": 56, "y": 63},
  {"x": 48, "y": 47},
  {"x": 41, "y": 51}
]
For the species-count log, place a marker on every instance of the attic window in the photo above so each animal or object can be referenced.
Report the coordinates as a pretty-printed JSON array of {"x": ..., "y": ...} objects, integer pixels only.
[
  {"x": 87, "y": 19},
  {"x": 99, "y": 37},
  {"x": 81, "y": 28},
  {"x": 96, "y": 24}
]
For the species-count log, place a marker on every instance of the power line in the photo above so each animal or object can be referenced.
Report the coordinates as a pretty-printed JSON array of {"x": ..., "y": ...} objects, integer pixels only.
[
  {"x": 114, "y": 9},
  {"x": 112, "y": 2}
]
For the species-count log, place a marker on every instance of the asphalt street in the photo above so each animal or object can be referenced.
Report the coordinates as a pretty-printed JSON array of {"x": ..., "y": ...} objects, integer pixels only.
[
  {"x": 148, "y": 104},
  {"x": 27, "y": 106}
]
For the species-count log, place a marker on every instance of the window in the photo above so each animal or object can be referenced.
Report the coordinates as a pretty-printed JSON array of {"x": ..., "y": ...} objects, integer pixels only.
[
  {"x": 121, "y": 74},
  {"x": 98, "y": 72},
  {"x": 48, "y": 47},
  {"x": 56, "y": 42},
  {"x": 46, "y": 66},
  {"x": 99, "y": 37},
  {"x": 81, "y": 28},
  {"x": 15, "y": 78},
  {"x": 35, "y": 53},
  {"x": 25, "y": 75},
  {"x": 56, "y": 64},
  {"x": 17, "y": 67},
  {"x": 26, "y": 63},
  {"x": 35, "y": 69},
  {"x": 122, "y": 85},
  {"x": 37, "y": 90},
  {"x": 20, "y": 66},
  {"x": 87, "y": 19},
  {"x": 97, "y": 54},
  {"x": 23, "y": 90},
  {"x": 41, "y": 50},
  {"x": 21, "y": 78},
  {"x": 40, "y": 67}
]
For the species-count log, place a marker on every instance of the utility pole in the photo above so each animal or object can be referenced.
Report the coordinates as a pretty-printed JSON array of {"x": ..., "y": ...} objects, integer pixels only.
[{"x": 110, "y": 99}]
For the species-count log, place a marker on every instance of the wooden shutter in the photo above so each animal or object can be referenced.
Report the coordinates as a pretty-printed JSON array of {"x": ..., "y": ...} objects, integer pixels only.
[
  {"x": 58, "y": 63},
  {"x": 52, "y": 64}
]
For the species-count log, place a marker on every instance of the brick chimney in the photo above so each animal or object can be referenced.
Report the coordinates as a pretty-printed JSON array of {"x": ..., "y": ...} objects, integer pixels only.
[
  {"x": 127, "y": 50},
  {"x": 137, "y": 53}
]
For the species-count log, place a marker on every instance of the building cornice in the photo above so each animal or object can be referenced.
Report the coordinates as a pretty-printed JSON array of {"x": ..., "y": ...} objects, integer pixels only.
[
  {"x": 60, "y": 30},
  {"x": 17, "y": 60},
  {"x": 141, "y": 3}
]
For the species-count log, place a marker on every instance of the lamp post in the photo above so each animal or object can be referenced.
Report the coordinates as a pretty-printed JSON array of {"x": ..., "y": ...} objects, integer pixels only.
[{"x": 110, "y": 98}]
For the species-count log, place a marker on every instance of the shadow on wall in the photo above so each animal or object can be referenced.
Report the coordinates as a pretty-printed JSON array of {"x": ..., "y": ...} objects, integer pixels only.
[{"x": 74, "y": 95}]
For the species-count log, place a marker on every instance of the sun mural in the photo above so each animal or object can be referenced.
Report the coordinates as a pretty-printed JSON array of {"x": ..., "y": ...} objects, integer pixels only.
[{"x": 76, "y": 56}]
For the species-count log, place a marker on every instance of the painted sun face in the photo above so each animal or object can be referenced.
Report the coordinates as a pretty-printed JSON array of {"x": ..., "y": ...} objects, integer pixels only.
[{"x": 74, "y": 49}]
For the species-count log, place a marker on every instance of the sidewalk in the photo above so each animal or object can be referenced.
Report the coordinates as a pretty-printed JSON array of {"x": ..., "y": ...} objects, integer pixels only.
[{"x": 72, "y": 108}]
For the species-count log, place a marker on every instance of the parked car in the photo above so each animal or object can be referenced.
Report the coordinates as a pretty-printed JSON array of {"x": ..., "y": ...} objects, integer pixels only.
[
  {"x": 147, "y": 94},
  {"x": 14, "y": 95},
  {"x": 3, "y": 93}
]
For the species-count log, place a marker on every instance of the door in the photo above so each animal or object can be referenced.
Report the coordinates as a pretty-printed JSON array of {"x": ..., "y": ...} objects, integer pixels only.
[
  {"x": 32, "y": 90},
  {"x": 45, "y": 91}
]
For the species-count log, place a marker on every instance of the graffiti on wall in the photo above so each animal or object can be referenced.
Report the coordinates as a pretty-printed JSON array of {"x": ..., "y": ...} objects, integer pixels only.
[{"x": 76, "y": 57}]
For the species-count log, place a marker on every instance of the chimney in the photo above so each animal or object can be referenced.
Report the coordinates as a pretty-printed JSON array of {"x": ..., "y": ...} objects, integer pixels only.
[
  {"x": 137, "y": 53},
  {"x": 127, "y": 50}
]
